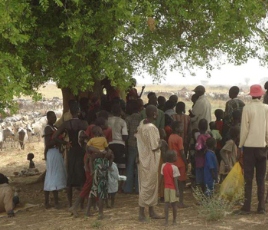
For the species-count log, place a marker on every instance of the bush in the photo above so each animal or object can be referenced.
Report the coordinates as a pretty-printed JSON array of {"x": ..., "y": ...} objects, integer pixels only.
[{"x": 214, "y": 207}]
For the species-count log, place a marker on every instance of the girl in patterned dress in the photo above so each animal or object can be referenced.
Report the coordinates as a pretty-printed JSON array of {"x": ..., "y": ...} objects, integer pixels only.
[{"x": 100, "y": 158}]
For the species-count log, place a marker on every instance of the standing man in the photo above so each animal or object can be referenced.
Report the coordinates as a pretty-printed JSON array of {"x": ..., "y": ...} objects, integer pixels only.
[
  {"x": 232, "y": 105},
  {"x": 253, "y": 140},
  {"x": 159, "y": 122},
  {"x": 201, "y": 108},
  {"x": 149, "y": 144}
]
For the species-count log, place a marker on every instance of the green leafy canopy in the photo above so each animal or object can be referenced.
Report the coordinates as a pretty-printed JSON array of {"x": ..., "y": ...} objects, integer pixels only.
[{"x": 79, "y": 42}]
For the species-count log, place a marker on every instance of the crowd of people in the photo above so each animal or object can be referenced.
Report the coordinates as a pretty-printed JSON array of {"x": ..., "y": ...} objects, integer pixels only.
[{"x": 157, "y": 146}]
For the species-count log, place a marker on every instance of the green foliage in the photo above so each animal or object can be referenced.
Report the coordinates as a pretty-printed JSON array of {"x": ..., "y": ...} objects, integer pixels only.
[
  {"x": 79, "y": 42},
  {"x": 214, "y": 208},
  {"x": 96, "y": 224}
]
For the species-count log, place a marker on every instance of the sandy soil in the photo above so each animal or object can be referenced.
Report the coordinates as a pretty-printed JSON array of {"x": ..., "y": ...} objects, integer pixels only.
[{"x": 123, "y": 216}]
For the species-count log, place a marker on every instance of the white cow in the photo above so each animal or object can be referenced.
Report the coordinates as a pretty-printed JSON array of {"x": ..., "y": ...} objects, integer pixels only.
[
  {"x": 7, "y": 133},
  {"x": 21, "y": 136},
  {"x": 38, "y": 127}
]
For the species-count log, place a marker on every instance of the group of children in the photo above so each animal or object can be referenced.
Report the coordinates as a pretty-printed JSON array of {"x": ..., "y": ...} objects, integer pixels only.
[
  {"x": 102, "y": 174},
  {"x": 210, "y": 155}
]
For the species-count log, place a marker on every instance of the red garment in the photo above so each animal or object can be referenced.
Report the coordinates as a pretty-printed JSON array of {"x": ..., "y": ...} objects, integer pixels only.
[
  {"x": 219, "y": 126},
  {"x": 113, "y": 93},
  {"x": 168, "y": 131},
  {"x": 107, "y": 133},
  {"x": 87, "y": 186},
  {"x": 200, "y": 148},
  {"x": 167, "y": 172},
  {"x": 175, "y": 142},
  {"x": 186, "y": 120},
  {"x": 132, "y": 94}
]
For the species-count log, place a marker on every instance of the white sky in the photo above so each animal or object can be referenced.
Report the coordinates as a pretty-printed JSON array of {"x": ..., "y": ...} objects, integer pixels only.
[{"x": 227, "y": 75}]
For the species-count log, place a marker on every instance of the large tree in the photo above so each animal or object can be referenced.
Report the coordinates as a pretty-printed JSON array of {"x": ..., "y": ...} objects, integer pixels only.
[{"x": 77, "y": 43}]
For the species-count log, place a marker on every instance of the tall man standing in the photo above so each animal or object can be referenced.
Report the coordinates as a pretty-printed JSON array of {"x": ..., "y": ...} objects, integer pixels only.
[
  {"x": 232, "y": 105},
  {"x": 201, "y": 108},
  {"x": 254, "y": 139},
  {"x": 149, "y": 145},
  {"x": 159, "y": 122}
]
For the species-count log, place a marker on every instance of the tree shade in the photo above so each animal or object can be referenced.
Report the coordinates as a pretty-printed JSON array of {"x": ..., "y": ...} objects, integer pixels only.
[{"x": 77, "y": 43}]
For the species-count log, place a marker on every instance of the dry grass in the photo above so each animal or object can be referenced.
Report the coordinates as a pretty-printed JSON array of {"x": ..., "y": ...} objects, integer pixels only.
[
  {"x": 123, "y": 216},
  {"x": 49, "y": 91}
]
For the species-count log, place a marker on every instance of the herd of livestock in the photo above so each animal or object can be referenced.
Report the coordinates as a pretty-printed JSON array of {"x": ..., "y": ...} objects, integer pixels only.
[{"x": 29, "y": 123}]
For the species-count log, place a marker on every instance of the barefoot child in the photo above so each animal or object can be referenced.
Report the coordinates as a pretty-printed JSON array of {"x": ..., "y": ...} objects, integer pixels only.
[
  {"x": 164, "y": 149},
  {"x": 200, "y": 148},
  {"x": 210, "y": 167},
  {"x": 170, "y": 173},
  {"x": 175, "y": 142},
  {"x": 191, "y": 157},
  {"x": 30, "y": 158},
  {"x": 99, "y": 166},
  {"x": 99, "y": 142},
  {"x": 216, "y": 134},
  {"x": 229, "y": 153},
  {"x": 113, "y": 178},
  {"x": 186, "y": 125}
]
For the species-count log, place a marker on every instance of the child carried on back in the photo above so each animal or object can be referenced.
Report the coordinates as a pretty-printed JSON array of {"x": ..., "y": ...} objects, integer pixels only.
[
  {"x": 99, "y": 142},
  {"x": 100, "y": 161}
]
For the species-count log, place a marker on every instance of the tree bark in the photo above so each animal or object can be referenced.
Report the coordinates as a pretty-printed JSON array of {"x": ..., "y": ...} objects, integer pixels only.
[{"x": 68, "y": 95}]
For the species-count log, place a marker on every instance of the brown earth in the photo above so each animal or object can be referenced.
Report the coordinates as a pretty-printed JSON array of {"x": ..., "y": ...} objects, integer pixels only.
[{"x": 123, "y": 216}]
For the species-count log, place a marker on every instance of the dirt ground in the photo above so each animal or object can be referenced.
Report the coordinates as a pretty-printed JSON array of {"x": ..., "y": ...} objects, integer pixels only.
[{"x": 123, "y": 216}]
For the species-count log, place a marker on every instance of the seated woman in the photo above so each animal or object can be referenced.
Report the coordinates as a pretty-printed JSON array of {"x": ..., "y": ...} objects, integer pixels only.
[{"x": 6, "y": 196}]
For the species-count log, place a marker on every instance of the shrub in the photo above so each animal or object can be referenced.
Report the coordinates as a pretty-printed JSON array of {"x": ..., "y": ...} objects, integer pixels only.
[{"x": 214, "y": 207}]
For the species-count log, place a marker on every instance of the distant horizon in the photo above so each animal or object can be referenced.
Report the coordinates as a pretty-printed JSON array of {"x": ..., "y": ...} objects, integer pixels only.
[{"x": 247, "y": 74}]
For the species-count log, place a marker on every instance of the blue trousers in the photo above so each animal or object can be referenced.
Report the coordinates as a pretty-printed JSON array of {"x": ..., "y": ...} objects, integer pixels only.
[{"x": 132, "y": 172}]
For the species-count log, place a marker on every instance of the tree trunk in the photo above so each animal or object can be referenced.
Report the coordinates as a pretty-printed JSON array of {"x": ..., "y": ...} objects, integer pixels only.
[{"x": 68, "y": 95}]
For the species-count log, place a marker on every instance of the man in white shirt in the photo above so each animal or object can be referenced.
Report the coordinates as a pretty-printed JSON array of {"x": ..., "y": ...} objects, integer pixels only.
[
  {"x": 201, "y": 109},
  {"x": 119, "y": 134},
  {"x": 253, "y": 140}
]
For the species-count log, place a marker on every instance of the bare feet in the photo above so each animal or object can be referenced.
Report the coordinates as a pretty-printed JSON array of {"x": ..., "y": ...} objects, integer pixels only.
[
  {"x": 142, "y": 218},
  {"x": 156, "y": 216},
  {"x": 181, "y": 205},
  {"x": 47, "y": 206},
  {"x": 73, "y": 212},
  {"x": 57, "y": 206}
]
